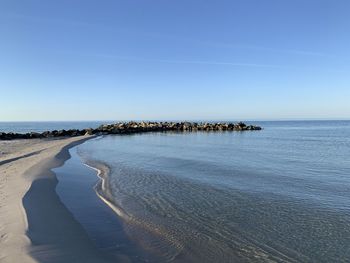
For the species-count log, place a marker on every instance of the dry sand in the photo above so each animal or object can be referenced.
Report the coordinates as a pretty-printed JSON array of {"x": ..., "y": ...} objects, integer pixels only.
[{"x": 34, "y": 225}]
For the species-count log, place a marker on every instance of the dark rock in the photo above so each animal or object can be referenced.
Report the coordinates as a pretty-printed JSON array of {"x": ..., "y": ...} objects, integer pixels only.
[
  {"x": 88, "y": 132},
  {"x": 34, "y": 135},
  {"x": 135, "y": 127}
]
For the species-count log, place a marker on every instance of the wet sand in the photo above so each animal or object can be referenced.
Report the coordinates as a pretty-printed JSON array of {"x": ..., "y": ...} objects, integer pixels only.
[{"x": 34, "y": 224}]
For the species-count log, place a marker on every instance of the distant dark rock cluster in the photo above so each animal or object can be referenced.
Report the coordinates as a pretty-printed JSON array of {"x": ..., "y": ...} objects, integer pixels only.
[
  {"x": 46, "y": 134},
  {"x": 134, "y": 127}
]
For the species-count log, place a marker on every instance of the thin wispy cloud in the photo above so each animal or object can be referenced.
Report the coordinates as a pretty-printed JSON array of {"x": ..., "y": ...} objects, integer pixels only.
[
  {"x": 177, "y": 38},
  {"x": 76, "y": 23},
  {"x": 270, "y": 49},
  {"x": 170, "y": 61},
  {"x": 160, "y": 37},
  {"x": 203, "y": 62}
]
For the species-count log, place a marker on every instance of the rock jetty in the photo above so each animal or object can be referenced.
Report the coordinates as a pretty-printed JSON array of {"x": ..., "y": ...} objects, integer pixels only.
[{"x": 134, "y": 127}]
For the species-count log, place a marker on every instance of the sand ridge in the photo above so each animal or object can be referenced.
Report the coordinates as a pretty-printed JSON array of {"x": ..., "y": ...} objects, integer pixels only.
[{"x": 21, "y": 163}]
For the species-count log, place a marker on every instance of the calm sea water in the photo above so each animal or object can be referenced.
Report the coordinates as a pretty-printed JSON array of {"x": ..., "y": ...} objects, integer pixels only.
[
  {"x": 277, "y": 195},
  {"x": 24, "y": 127}
]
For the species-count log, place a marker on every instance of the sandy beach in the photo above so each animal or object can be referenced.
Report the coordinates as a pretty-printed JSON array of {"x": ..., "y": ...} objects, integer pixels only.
[{"x": 34, "y": 225}]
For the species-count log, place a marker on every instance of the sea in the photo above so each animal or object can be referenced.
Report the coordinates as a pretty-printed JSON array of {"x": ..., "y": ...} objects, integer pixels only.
[
  {"x": 276, "y": 195},
  {"x": 41, "y": 126}
]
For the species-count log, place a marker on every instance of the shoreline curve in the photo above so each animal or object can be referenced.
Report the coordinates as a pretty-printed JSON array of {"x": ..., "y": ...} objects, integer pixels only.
[{"x": 35, "y": 226}]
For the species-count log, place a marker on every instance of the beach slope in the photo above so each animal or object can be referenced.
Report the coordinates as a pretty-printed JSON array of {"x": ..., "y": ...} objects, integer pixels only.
[{"x": 34, "y": 225}]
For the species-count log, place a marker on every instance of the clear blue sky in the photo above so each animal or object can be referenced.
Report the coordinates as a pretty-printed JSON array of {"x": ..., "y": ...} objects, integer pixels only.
[{"x": 180, "y": 59}]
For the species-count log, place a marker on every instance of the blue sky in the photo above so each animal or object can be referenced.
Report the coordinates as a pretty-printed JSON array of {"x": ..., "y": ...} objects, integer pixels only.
[{"x": 180, "y": 59}]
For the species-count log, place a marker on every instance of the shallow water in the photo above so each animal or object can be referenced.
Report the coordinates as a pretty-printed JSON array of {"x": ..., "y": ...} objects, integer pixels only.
[
  {"x": 76, "y": 189},
  {"x": 280, "y": 194}
]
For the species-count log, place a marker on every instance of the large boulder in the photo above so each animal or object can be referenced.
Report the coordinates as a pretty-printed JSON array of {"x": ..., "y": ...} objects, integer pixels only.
[{"x": 88, "y": 132}]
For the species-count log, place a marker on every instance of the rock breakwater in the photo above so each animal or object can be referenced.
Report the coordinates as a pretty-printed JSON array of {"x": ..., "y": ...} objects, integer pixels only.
[{"x": 134, "y": 127}]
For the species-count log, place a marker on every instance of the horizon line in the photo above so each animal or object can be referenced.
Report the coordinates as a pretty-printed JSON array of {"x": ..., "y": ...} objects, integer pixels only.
[{"x": 183, "y": 120}]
